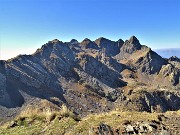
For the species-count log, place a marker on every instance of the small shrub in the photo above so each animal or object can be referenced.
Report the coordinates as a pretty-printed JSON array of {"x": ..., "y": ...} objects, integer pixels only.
[{"x": 21, "y": 121}]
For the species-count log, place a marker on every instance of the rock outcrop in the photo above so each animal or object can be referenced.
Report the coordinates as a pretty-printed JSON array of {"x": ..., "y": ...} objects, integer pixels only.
[{"x": 91, "y": 76}]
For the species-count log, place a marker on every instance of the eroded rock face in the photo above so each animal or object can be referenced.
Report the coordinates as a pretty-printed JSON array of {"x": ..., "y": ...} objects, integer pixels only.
[
  {"x": 102, "y": 73},
  {"x": 148, "y": 100},
  {"x": 128, "y": 47},
  {"x": 102, "y": 129},
  {"x": 175, "y": 61},
  {"x": 139, "y": 127},
  {"x": 98, "y": 71},
  {"x": 111, "y": 48},
  {"x": 87, "y": 43},
  {"x": 174, "y": 58},
  {"x": 151, "y": 63},
  {"x": 170, "y": 73},
  {"x": 4, "y": 97}
]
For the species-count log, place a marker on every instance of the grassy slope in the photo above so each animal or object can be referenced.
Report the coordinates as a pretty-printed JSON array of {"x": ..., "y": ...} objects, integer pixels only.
[
  {"x": 39, "y": 126},
  {"x": 67, "y": 124}
]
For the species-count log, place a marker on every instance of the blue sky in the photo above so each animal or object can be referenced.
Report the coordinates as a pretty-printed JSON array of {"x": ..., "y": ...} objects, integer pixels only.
[{"x": 27, "y": 24}]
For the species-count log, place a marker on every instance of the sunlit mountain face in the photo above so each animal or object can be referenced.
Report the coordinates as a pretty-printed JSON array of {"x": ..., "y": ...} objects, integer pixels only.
[
  {"x": 66, "y": 82},
  {"x": 86, "y": 67}
]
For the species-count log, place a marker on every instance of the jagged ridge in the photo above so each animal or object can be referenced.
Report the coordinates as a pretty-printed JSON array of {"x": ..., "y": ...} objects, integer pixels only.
[{"x": 91, "y": 76}]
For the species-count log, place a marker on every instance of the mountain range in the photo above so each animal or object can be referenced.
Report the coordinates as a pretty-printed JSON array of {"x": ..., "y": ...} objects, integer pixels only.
[
  {"x": 167, "y": 53},
  {"x": 91, "y": 77}
]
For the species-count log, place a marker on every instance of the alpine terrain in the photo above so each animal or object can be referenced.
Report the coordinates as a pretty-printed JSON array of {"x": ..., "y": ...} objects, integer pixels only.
[{"x": 91, "y": 87}]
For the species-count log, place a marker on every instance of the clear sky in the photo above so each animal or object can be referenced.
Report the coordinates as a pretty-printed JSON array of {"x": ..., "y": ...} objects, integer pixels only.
[{"x": 27, "y": 24}]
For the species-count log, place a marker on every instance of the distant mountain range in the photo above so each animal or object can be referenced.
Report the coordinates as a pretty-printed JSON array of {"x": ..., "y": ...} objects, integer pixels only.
[
  {"x": 167, "y": 53},
  {"x": 91, "y": 76}
]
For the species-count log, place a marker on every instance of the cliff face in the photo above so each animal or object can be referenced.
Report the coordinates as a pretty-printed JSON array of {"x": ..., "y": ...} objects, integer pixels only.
[{"x": 91, "y": 76}]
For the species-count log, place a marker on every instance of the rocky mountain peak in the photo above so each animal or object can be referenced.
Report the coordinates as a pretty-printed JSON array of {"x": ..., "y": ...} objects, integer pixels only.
[
  {"x": 134, "y": 40},
  {"x": 87, "y": 43},
  {"x": 174, "y": 58},
  {"x": 130, "y": 46},
  {"x": 120, "y": 41},
  {"x": 74, "y": 41},
  {"x": 47, "y": 48},
  {"x": 101, "y": 41},
  {"x": 87, "y": 40},
  {"x": 55, "y": 41},
  {"x": 84, "y": 74}
]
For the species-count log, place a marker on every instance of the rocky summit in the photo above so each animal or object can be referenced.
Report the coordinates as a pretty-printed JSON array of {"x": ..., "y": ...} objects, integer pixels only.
[{"x": 91, "y": 77}]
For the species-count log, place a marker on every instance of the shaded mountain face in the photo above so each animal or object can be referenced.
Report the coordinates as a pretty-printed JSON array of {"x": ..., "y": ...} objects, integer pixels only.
[{"x": 92, "y": 76}]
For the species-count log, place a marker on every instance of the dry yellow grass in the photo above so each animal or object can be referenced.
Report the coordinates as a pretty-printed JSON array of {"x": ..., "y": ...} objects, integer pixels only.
[
  {"x": 68, "y": 126},
  {"x": 114, "y": 119},
  {"x": 44, "y": 108},
  {"x": 170, "y": 113}
]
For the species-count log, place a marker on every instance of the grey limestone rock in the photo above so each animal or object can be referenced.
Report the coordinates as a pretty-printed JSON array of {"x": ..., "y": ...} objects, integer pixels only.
[{"x": 99, "y": 69}]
